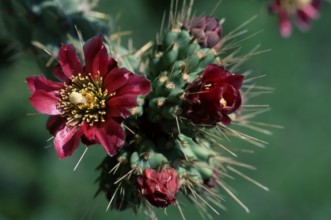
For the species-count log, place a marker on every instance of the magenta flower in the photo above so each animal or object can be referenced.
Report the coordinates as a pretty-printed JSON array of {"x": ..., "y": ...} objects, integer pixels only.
[
  {"x": 302, "y": 10},
  {"x": 159, "y": 187},
  {"x": 90, "y": 102},
  {"x": 213, "y": 96}
]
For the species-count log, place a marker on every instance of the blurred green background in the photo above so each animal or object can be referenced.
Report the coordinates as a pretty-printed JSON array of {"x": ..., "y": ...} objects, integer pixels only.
[{"x": 35, "y": 184}]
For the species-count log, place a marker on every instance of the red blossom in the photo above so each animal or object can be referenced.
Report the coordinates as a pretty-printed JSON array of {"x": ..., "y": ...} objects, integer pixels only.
[
  {"x": 213, "y": 96},
  {"x": 90, "y": 101},
  {"x": 302, "y": 10},
  {"x": 159, "y": 187}
]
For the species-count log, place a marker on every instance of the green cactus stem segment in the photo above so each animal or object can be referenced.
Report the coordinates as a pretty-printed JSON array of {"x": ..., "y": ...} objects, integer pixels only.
[{"x": 83, "y": 99}]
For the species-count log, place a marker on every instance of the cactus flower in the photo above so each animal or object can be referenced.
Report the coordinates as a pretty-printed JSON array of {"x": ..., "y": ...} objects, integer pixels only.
[
  {"x": 303, "y": 10},
  {"x": 90, "y": 102},
  {"x": 207, "y": 30},
  {"x": 159, "y": 187},
  {"x": 213, "y": 96}
]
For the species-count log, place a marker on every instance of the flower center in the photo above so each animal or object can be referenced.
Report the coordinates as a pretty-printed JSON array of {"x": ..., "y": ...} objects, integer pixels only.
[
  {"x": 83, "y": 100},
  {"x": 291, "y": 6},
  {"x": 223, "y": 102}
]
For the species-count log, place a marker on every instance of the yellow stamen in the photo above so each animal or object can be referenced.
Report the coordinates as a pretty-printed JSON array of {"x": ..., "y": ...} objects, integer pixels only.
[
  {"x": 84, "y": 100},
  {"x": 223, "y": 102}
]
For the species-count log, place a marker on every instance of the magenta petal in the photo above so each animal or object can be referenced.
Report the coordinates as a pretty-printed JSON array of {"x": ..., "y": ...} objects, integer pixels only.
[
  {"x": 214, "y": 73},
  {"x": 69, "y": 63},
  {"x": 89, "y": 133},
  {"x": 96, "y": 57},
  {"x": 211, "y": 101},
  {"x": 226, "y": 120},
  {"x": 285, "y": 26},
  {"x": 136, "y": 84},
  {"x": 36, "y": 83},
  {"x": 59, "y": 74},
  {"x": 45, "y": 102},
  {"x": 119, "y": 106},
  {"x": 116, "y": 78},
  {"x": 66, "y": 141},
  {"x": 310, "y": 11},
  {"x": 275, "y": 7},
  {"x": 111, "y": 137},
  {"x": 235, "y": 80},
  {"x": 111, "y": 64},
  {"x": 55, "y": 123}
]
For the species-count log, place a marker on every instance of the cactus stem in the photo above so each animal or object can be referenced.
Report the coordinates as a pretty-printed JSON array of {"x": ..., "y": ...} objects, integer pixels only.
[
  {"x": 181, "y": 147},
  {"x": 162, "y": 79},
  {"x": 170, "y": 85},
  {"x": 200, "y": 55},
  {"x": 160, "y": 102}
]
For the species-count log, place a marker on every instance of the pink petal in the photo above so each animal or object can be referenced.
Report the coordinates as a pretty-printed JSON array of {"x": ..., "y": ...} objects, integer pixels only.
[
  {"x": 136, "y": 84},
  {"x": 45, "y": 102},
  {"x": 275, "y": 7},
  {"x": 68, "y": 62},
  {"x": 236, "y": 80},
  {"x": 310, "y": 11},
  {"x": 285, "y": 26},
  {"x": 36, "y": 83},
  {"x": 116, "y": 78},
  {"x": 303, "y": 21},
  {"x": 119, "y": 105},
  {"x": 226, "y": 120},
  {"x": 89, "y": 135},
  {"x": 55, "y": 123},
  {"x": 66, "y": 141},
  {"x": 214, "y": 73},
  {"x": 111, "y": 64},
  {"x": 111, "y": 137},
  {"x": 316, "y": 3},
  {"x": 96, "y": 58}
]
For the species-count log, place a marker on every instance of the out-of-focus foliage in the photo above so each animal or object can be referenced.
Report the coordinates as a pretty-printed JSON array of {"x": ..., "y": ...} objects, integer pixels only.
[{"x": 35, "y": 184}]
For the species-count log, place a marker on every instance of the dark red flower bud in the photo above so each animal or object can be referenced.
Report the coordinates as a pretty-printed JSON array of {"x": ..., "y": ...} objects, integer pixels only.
[
  {"x": 213, "y": 96},
  {"x": 159, "y": 187},
  {"x": 207, "y": 30}
]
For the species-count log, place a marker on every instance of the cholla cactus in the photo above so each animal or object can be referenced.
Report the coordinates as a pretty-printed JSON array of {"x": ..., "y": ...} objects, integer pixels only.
[
  {"x": 163, "y": 120},
  {"x": 177, "y": 146}
]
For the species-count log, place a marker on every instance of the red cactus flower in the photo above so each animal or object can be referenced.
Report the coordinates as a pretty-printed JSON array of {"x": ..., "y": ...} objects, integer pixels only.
[
  {"x": 90, "y": 102},
  {"x": 213, "y": 96},
  {"x": 159, "y": 187},
  {"x": 303, "y": 10},
  {"x": 207, "y": 30}
]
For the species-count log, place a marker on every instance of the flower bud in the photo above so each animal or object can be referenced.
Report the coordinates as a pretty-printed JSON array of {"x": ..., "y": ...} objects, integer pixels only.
[
  {"x": 207, "y": 30},
  {"x": 159, "y": 187}
]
